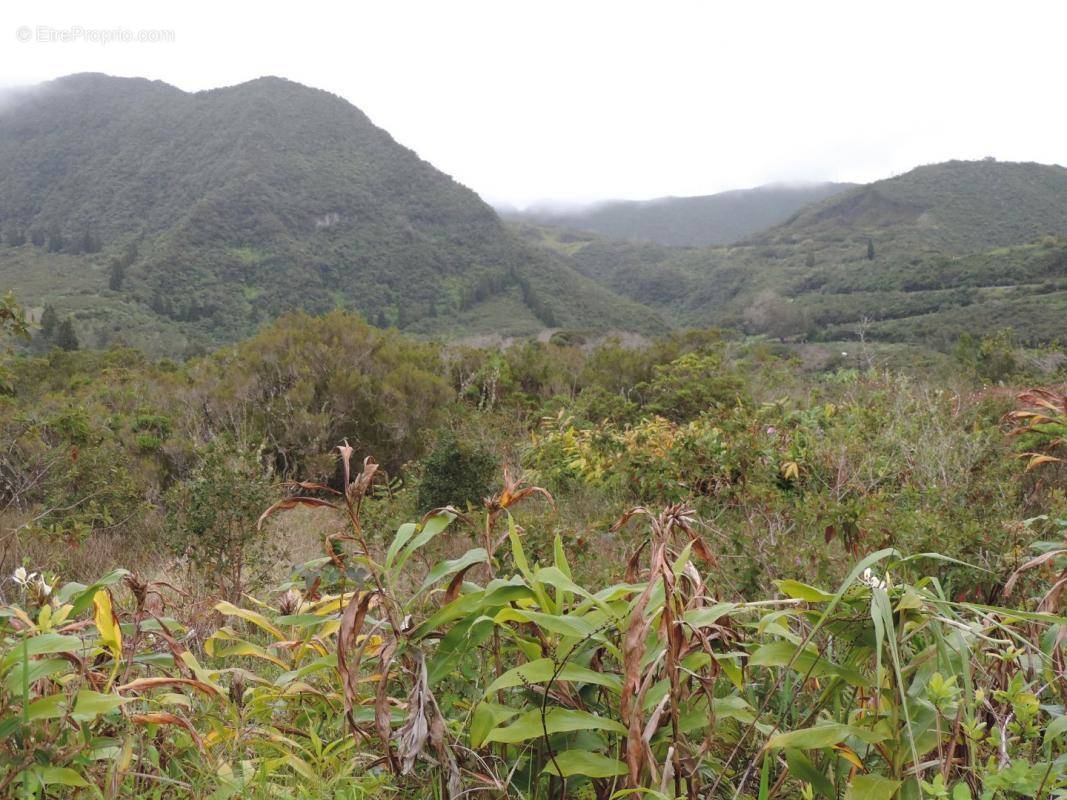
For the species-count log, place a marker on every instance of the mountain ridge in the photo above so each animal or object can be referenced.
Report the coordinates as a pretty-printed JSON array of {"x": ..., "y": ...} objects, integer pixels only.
[
  {"x": 694, "y": 221},
  {"x": 235, "y": 205},
  {"x": 927, "y": 256}
]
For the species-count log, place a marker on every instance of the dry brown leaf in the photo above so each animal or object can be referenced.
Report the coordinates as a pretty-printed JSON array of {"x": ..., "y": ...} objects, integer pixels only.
[
  {"x": 351, "y": 625},
  {"x": 292, "y": 502},
  {"x": 382, "y": 721},
  {"x": 141, "y": 684},
  {"x": 1033, "y": 562}
]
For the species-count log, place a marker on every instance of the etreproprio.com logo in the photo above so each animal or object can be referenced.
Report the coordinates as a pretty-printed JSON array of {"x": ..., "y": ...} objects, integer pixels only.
[{"x": 47, "y": 34}]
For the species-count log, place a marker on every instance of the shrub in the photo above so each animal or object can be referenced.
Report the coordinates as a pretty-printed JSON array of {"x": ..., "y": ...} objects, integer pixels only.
[
  {"x": 211, "y": 518},
  {"x": 455, "y": 474},
  {"x": 690, "y": 386}
]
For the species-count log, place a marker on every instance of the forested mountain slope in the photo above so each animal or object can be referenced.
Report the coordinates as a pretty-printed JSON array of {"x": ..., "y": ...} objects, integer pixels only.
[
  {"x": 166, "y": 219},
  {"x": 943, "y": 250}
]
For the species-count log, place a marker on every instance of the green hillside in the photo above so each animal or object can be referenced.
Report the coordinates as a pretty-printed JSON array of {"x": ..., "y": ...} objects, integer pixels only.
[
  {"x": 173, "y": 220},
  {"x": 687, "y": 221},
  {"x": 946, "y": 249},
  {"x": 956, "y": 206}
]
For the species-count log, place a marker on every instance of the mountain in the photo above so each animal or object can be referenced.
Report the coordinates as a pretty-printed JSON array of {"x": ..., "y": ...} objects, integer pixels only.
[
  {"x": 956, "y": 206},
  {"x": 721, "y": 218},
  {"x": 171, "y": 219},
  {"x": 943, "y": 250}
]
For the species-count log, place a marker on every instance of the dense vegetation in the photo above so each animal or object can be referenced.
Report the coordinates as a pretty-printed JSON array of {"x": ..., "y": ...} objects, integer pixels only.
[
  {"x": 731, "y": 568},
  {"x": 178, "y": 221},
  {"x": 941, "y": 251},
  {"x": 136, "y": 214},
  {"x": 793, "y": 556},
  {"x": 722, "y": 218}
]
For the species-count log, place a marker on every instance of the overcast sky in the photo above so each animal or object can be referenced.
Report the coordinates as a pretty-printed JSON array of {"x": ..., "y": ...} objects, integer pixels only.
[{"x": 580, "y": 100}]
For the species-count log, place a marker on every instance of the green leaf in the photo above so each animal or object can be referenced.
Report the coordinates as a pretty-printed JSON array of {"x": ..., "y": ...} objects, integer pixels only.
[
  {"x": 542, "y": 669},
  {"x": 50, "y": 707},
  {"x": 238, "y": 647},
  {"x": 403, "y": 534},
  {"x": 557, "y": 720},
  {"x": 871, "y": 787},
  {"x": 40, "y": 645},
  {"x": 81, "y": 597},
  {"x": 562, "y": 624},
  {"x": 582, "y": 762},
  {"x": 55, "y": 776},
  {"x": 304, "y": 620},
  {"x": 445, "y": 568},
  {"x": 519, "y": 555},
  {"x": 781, "y": 653},
  {"x": 559, "y": 556},
  {"x": 89, "y": 705},
  {"x": 434, "y": 525},
  {"x": 703, "y": 617},
  {"x": 474, "y": 602},
  {"x": 1055, "y": 729},
  {"x": 563, "y": 584},
  {"x": 802, "y": 768},
  {"x": 821, "y": 736},
  {"x": 801, "y": 591},
  {"x": 487, "y": 716},
  {"x": 37, "y": 669},
  {"x": 1011, "y": 614}
]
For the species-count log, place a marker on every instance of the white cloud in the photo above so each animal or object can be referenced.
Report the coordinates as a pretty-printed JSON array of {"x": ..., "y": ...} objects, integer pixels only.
[{"x": 579, "y": 100}]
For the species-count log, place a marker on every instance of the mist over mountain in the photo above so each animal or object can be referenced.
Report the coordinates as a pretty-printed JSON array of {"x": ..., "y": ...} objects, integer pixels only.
[
  {"x": 721, "y": 218},
  {"x": 938, "y": 252},
  {"x": 178, "y": 222},
  {"x": 174, "y": 219}
]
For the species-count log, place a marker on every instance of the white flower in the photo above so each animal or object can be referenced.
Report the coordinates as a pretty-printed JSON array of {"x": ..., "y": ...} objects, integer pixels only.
[
  {"x": 871, "y": 579},
  {"x": 22, "y": 577},
  {"x": 844, "y": 353},
  {"x": 43, "y": 587}
]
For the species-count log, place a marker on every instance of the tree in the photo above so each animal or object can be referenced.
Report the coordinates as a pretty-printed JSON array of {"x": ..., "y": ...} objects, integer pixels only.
[
  {"x": 116, "y": 275},
  {"x": 810, "y": 260},
  {"x": 991, "y": 358},
  {"x": 88, "y": 242},
  {"x": 49, "y": 321},
  {"x": 66, "y": 336},
  {"x": 37, "y": 237},
  {"x": 306, "y": 383},
  {"x": 55, "y": 239},
  {"x": 870, "y": 249}
]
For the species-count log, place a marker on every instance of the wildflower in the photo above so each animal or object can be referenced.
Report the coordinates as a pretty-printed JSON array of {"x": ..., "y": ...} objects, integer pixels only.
[
  {"x": 43, "y": 586},
  {"x": 21, "y": 577},
  {"x": 771, "y": 430},
  {"x": 869, "y": 578}
]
